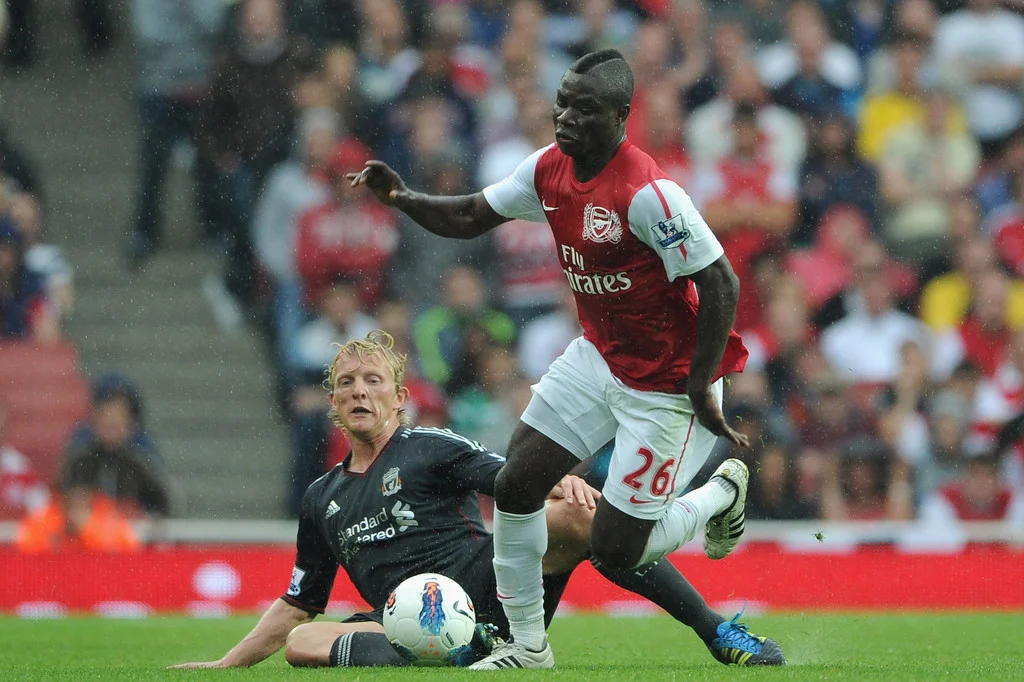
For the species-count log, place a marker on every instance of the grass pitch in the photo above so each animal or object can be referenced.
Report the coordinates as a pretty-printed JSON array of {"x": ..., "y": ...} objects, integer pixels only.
[{"x": 819, "y": 647}]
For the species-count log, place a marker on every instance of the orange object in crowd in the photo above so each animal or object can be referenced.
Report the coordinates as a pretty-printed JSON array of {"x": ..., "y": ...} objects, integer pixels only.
[{"x": 79, "y": 519}]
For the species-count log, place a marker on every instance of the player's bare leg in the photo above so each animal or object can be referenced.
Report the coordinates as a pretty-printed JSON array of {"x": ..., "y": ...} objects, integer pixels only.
[
  {"x": 568, "y": 525},
  {"x": 619, "y": 541},
  {"x": 535, "y": 464}
]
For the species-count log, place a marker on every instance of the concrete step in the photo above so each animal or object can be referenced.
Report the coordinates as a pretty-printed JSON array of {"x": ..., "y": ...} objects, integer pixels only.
[
  {"x": 227, "y": 357},
  {"x": 241, "y": 460},
  {"x": 171, "y": 268},
  {"x": 238, "y": 384},
  {"x": 100, "y": 265},
  {"x": 208, "y": 424},
  {"x": 210, "y": 394},
  {"x": 219, "y": 358},
  {"x": 218, "y": 499},
  {"x": 171, "y": 406},
  {"x": 157, "y": 309},
  {"x": 216, "y": 365}
]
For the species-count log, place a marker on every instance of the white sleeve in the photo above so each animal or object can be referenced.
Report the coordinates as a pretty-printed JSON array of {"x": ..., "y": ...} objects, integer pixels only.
[
  {"x": 947, "y": 352},
  {"x": 912, "y": 439},
  {"x": 708, "y": 185},
  {"x": 1013, "y": 49},
  {"x": 782, "y": 185},
  {"x": 1015, "y": 512},
  {"x": 935, "y": 509},
  {"x": 662, "y": 216},
  {"x": 515, "y": 196}
]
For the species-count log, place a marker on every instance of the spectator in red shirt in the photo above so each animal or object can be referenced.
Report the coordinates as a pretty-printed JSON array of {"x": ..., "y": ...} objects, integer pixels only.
[
  {"x": 979, "y": 495},
  {"x": 825, "y": 269},
  {"x": 751, "y": 203},
  {"x": 785, "y": 329},
  {"x": 350, "y": 234},
  {"x": 21, "y": 490},
  {"x": 651, "y": 64},
  {"x": 866, "y": 483},
  {"x": 983, "y": 337},
  {"x": 664, "y": 121},
  {"x": 1006, "y": 225}
]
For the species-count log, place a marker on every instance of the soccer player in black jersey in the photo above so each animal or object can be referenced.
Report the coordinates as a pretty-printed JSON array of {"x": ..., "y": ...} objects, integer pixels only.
[{"x": 405, "y": 502}]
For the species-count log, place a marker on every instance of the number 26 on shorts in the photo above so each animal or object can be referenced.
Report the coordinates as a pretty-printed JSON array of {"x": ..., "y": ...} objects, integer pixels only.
[{"x": 659, "y": 484}]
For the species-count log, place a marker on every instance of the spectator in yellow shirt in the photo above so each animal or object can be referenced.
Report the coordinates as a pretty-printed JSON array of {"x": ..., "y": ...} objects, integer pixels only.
[
  {"x": 885, "y": 112},
  {"x": 946, "y": 299}
]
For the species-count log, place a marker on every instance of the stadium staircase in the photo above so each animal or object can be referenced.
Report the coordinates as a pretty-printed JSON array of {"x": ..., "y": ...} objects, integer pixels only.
[{"x": 207, "y": 383}]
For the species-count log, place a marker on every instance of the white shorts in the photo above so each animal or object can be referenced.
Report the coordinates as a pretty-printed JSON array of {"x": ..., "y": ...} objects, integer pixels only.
[{"x": 659, "y": 444}]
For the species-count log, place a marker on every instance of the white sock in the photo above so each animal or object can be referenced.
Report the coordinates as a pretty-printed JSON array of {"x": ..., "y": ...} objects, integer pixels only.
[
  {"x": 712, "y": 498},
  {"x": 520, "y": 541},
  {"x": 688, "y": 513}
]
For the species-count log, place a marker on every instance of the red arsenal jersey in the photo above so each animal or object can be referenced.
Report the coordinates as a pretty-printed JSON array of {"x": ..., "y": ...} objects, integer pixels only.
[{"x": 627, "y": 241}]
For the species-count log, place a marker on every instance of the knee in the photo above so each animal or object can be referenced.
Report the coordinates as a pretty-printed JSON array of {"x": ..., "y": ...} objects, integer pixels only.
[
  {"x": 568, "y": 535},
  {"x": 607, "y": 550},
  {"x": 505, "y": 488},
  {"x": 296, "y": 649},
  {"x": 514, "y": 494}
]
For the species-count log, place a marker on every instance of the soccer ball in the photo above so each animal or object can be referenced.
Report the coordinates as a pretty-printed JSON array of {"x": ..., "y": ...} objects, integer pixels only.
[{"x": 429, "y": 619}]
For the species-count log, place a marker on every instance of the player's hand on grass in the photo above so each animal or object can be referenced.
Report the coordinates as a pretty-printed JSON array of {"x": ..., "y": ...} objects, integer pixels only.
[
  {"x": 381, "y": 179},
  {"x": 709, "y": 414},
  {"x": 575, "y": 489},
  {"x": 197, "y": 664}
]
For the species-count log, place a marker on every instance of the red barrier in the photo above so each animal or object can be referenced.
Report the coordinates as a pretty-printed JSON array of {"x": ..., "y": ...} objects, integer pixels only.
[{"x": 216, "y": 580}]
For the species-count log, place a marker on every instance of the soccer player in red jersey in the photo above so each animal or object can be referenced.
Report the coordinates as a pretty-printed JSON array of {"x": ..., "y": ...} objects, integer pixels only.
[{"x": 648, "y": 370}]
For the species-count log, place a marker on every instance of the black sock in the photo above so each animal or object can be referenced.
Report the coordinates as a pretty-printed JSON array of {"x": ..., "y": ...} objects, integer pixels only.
[
  {"x": 663, "y": 584},
  {"x": 364, "y": 649}
]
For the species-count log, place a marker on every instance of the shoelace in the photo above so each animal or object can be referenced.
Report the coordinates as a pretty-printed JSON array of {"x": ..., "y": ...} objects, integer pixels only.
[{"x": 738, "y": 637}]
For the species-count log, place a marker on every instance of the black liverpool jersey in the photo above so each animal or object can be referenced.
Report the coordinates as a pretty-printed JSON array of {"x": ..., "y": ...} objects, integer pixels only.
[{"x": 415, "y": 510}]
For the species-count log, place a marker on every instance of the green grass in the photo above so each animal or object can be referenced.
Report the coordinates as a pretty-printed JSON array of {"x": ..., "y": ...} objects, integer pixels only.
[{"x": 819, "y": 647}]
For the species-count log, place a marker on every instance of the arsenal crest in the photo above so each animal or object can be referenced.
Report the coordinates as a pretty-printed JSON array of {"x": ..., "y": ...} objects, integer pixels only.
[{"x": 601, "y": 225}]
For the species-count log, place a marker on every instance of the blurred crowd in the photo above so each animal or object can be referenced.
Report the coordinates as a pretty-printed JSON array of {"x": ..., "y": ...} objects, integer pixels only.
[
  {"x": 110, "y": 473},
  {"x": 861, "y": 162}
]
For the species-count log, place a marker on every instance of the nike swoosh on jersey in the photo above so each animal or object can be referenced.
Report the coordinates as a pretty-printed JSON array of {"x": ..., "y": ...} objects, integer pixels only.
[
  {"x": 636, "y": 501},
  {"x": 546, "y": 207}
]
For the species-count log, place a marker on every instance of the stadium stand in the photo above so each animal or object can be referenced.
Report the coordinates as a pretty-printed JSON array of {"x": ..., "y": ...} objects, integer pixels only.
[
  {"x": 845, "y": 112},
  {"x": 46, "y": 395}
]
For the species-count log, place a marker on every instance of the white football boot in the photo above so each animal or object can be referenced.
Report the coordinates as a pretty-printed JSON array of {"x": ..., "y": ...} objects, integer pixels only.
[
  {"x": 723, "y": 532},
  {"x": 512, "y": 655}
]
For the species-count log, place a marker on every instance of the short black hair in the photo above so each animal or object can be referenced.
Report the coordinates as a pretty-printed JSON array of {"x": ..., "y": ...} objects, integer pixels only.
[{"x": 611, "y": 67}]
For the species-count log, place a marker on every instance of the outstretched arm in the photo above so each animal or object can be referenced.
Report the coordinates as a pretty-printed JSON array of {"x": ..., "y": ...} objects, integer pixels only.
[
  {"x": 719, "y": 290},
  {"x": 459, "y": 217},
  {"x": 266, "y": 638}
]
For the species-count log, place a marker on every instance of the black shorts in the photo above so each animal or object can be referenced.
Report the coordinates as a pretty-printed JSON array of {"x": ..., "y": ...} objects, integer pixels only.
[{"x": 367, "y": 617}]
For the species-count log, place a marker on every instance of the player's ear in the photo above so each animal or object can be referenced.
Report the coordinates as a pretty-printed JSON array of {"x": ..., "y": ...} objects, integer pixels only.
[
  {"x": 623, "y": 113},
  {"x": 401, "y": 395}
]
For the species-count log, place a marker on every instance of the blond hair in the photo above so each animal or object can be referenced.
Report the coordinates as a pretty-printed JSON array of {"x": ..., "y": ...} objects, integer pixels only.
[{"x": 381, "y": 343}]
